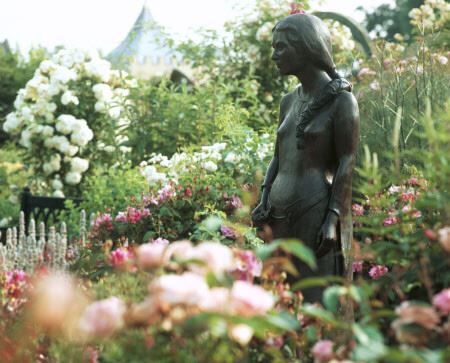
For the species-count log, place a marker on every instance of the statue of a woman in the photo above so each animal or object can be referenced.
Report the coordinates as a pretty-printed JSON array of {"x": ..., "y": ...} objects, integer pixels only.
[{"x": 307, "y": 190}]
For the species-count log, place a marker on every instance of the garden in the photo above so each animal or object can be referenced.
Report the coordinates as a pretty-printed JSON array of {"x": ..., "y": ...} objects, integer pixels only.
[{"x": 155, "y": 257}]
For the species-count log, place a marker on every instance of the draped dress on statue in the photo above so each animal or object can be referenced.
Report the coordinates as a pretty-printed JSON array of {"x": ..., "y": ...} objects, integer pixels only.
[{"x": 315, "y": 178}]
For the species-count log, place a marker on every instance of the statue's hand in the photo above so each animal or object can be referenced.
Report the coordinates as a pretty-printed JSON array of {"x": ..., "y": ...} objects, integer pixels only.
[
  {"x": 260, "y": 213},
  {"x": 327, "y": 237}
]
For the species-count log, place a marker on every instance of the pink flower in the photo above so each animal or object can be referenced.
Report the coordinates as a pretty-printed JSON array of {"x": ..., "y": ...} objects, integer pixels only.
[
  {"x": 357, "y": 266},
  {"x": 323, "y": 351},
  {"x": 161, "y": 241},
  {"x": 275, "y": 342},
  {"x": 429, "y": 233},
  {"x": 186, "y": 289},
  {"x": 442, "y": 59},
  {"x": 179, "y": 250},
  {"x": 390, "y": 221},
  {"x": 215, "y": 257},
  {"x": 408, "y": 196},
  {"x": 413, "y": 181},
  {"x": 166, "y": 193},
  {"x": 377, "y": 271},
  {"x": 121, "y": 217},
  {"x": 232, "y": 203},
  {"x": 387, "y": 62},
  {"x": 228, "y": 232},
  {"x": 132, "y": 215},
  {"x": 416, "y": 213},
  {"x": 297, "y": 9},
  {"x": 249, "y": 300},
  {"x": 120, "y": 257},
  {"x": 103, "y": 220},
  {"x": 441, "y": 301},
  {"x": 444, "y": 238},
  {"x": 217, "y": 300},
  {"x": 358, "y": 209},
  {"x": 103, "y": 318},
  {"x": 150, "y": 255},
  {"x": 248, "y": 265}
]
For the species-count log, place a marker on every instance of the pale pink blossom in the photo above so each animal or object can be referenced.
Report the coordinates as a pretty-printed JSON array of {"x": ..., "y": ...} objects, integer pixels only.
[
  {"x": 444, "y": 238},
  {"x": 179, "y": 250},
  {"x": 217, "y": 300},
  {"x": 103, "y": 318},
  {"x": 161, "y": 241},
  {"x": 442, "y": 59},
  {"x": 441, "y": 301},
  {"x": 248, "y": 266},
  {"x": 103, "y": 220},
  {"x": 241, "y": 333},
  {"x": 377, "y": 271},
  {"x": 150, "y": 255},
  {"x": 358, "y": 209},
  {"x": 250, "y": 300},
  {"x": 215, "y": 257},
  {"x": 186, "y": 289},
  {"x": 166, "y": 193},
  {"x": 375, "y": 86},
  {"x": 410, "y": 313},
  {"x": 322, "y": 351}
]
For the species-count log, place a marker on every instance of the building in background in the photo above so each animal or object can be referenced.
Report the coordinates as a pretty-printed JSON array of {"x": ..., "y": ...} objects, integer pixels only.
[{"x": 146, "y": 52}]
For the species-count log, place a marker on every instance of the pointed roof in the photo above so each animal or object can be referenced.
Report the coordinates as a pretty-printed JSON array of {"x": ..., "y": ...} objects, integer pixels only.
[{"x": 145, "y": 41}]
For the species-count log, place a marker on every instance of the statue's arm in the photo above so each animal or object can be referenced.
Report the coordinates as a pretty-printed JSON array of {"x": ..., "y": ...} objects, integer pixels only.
[{"x": 346, "y": 137}]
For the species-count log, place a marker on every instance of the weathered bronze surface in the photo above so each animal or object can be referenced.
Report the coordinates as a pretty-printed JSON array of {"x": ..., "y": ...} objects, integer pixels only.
[{"x": 307, "y": 189}]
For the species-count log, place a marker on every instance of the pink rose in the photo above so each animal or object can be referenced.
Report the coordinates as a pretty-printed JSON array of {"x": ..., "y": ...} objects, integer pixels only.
[
  {"x": 323, "y": 351},
  {"x": 357, "y": 266},
  {"x": 249, "y": 300},
  {"x": 186, "y": 289},
  {"x": 217, "y": 300},
  {"x": 377, "y": 271},
  {"x": 120, "y": 257},
  {"x": 215, "y": 257},
  {"x": 390, "y": 221},
  {"x": 358, "y": 209},
  {"x": 150, "y": 255},
  {"x": 103, "y": 318},
  {"x": 441, "y": 301},
  {"x": 444, "y": 238},
  {"x": 248, "y": 265}
]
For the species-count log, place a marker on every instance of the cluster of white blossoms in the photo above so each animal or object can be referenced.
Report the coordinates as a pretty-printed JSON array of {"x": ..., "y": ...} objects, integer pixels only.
[
  {"x": 223, "y": 156},
  {"x": 432, "y": 14},
  {"x": 341, "y": 36},
  {"x": 51, "y": 113}
]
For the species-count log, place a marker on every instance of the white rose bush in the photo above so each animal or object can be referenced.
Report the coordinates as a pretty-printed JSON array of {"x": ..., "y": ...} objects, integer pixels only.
[{"x": 68, "y": 116}]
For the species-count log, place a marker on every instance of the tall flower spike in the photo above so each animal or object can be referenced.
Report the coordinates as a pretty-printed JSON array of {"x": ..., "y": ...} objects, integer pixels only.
[
  {"x": 32, "y": 229},
  {"x": 83, "y": 227},
  {"x": 51, "y": 244},
  {"x": 22, "y": 228},
  {"x": 63, "y": 246}
]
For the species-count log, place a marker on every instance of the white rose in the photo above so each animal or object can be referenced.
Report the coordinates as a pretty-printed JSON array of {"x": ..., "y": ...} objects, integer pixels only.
[
  {"x": 58, "y": 194},
  {"x": 69, "y": 97},
  {"x": 82, "y": 136},
  {"x": 102, "y": 92},
  {"x": 79, "y": 165},
  {"x": 65, "y": 124},
  {"x": 114, "y": 112},
  {"x": 63, "y": 75},
  {"x": 73, "y": 178},
  {"x": 57, "y": 184},
  {"x": 100, "y": 106},
  {"x": 25, "y": 138},
  {"x": 109, "y": 148},
  {"x": 209, "y": 166},
  {"x": 47, "y": 131},
  {"x": 99, "y": 68},
  {"x": 12, "y": 124}
]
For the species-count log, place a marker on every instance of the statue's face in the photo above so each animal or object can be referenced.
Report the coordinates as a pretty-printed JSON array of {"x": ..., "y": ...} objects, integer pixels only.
[{"x": 285, "y": 56}]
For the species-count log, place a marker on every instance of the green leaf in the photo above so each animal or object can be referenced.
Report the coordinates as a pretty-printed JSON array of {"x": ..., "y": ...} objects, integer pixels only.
[
  {"x": 331, "y": 297},
  {"x": 283, "y": 321},
  {"x": 263, "y": 252},
  {"x": 316, "y": 281},
  {"x": 299, "y": 250},
  {"x": 318, "y": 313}
]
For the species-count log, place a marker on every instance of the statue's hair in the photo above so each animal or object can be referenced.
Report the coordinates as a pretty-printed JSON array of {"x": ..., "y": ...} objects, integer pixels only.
[{"x": 310, "y": 36}]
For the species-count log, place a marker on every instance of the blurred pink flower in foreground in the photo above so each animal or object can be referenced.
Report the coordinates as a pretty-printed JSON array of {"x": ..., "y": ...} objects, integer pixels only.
[
  {"x": 150, "y": 255},
  {"x": 120, "y": 257},
  {"x": 377, "y": 271},
  {"x": 217, "y": 300},
  {"x": 215, "y": 257},
  {"x": 410, "y": 313},
  {"x": 249, "y": 300},
  {"x": 241, "y": 333},
  {"x": 248, "y": 266},
  {"x": 442, "y": 301},
  {"x": 186, "y": 289},
  {"x": 444, "y": 238},
  {"x": 322, "y": 351},
  {"x": 103, "y": 318}
]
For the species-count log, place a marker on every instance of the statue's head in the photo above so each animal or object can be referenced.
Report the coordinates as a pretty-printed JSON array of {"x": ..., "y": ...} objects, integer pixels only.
[{"x": 305, "y": 38}]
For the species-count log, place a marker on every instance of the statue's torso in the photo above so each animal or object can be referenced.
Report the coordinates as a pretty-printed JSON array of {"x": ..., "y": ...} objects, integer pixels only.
[{"x": 302, "y": 173}]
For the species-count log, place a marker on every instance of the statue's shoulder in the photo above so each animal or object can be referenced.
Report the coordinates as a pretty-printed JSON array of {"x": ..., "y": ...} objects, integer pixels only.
[
  {"x": 287, "y": 99},
  {"x": 345, "y": 100}
]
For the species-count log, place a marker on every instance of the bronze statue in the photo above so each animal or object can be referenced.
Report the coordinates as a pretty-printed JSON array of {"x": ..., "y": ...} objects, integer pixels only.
[{"x": 307, "y": 190}]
